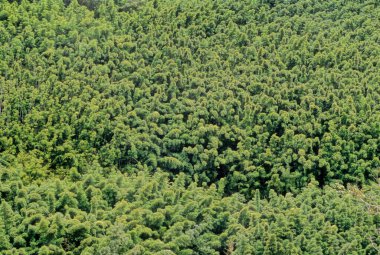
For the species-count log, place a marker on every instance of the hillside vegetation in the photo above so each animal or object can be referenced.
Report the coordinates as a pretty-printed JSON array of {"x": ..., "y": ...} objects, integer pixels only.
[{"x": 189, "y": 127}]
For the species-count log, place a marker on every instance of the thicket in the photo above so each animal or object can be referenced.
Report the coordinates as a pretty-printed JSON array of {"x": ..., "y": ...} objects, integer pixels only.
[
  {"x": 143, "y": 214},
  {"x": 263, "y": 96},
  {"x": 114, "y": 112}
]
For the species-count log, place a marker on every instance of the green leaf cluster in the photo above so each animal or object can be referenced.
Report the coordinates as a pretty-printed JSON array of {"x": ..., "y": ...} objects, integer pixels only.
[
  {"x": 268, "y": 95},
  {"x": 189, "y": 127},
  {"x": 149, "y": 214}
]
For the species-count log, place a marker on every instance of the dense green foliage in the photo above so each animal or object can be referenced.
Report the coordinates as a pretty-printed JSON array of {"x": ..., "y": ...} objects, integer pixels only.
[
  {"x": 189, "y": 127},
  {"x": 150, "y": 215},
  {"x": 266, "y": 97}
]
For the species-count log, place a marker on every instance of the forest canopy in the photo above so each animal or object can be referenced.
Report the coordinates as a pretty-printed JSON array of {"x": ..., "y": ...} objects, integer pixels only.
[{"x": 189, "y": 127}]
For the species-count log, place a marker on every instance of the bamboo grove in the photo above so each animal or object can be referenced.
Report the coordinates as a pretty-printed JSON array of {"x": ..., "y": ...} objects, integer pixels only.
[{"x": 189, "y": 127}]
